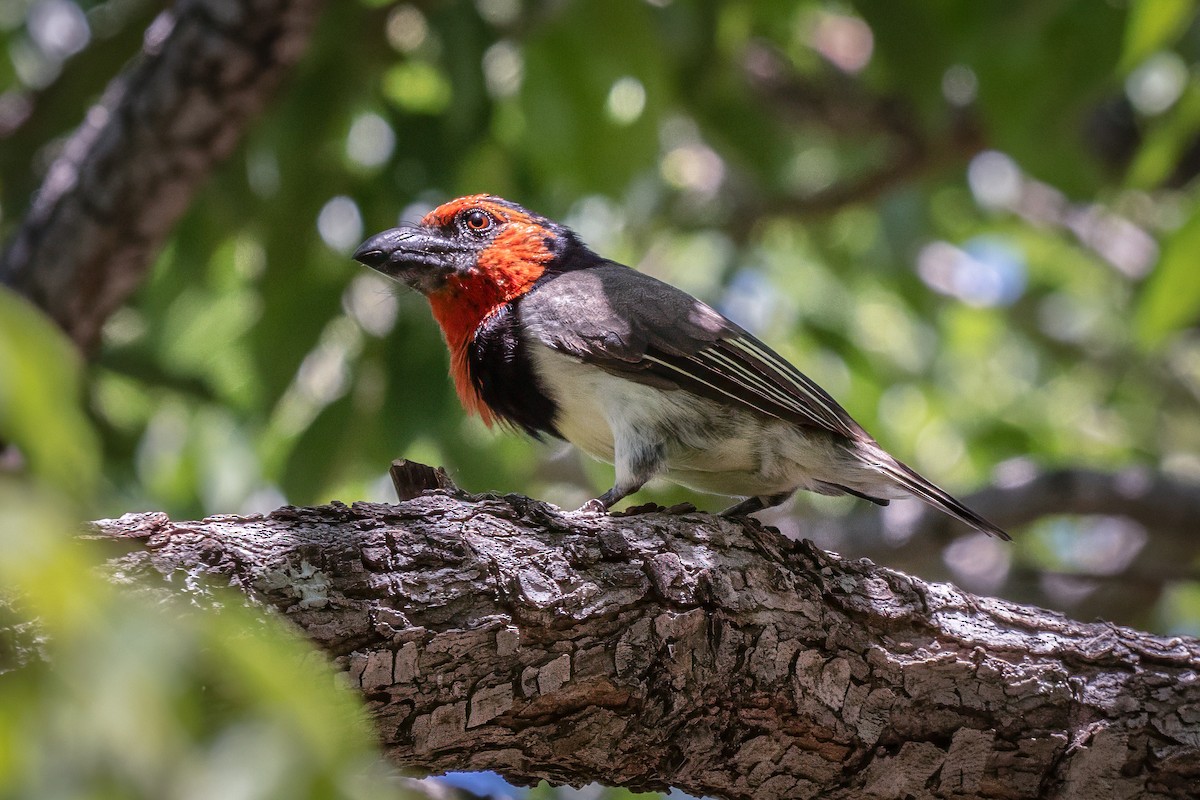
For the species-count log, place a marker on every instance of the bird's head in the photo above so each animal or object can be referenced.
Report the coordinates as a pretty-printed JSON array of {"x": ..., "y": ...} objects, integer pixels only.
[
  {"x": 476, "y": 248},
  {"x": 472, "y": 257}
]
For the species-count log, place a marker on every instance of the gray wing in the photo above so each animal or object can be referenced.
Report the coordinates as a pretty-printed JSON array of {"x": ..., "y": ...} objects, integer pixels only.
[{"x": 648, "y": 331}]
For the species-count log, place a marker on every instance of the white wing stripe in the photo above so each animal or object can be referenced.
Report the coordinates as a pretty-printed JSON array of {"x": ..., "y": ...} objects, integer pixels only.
[
  {"x": 755, "y": 381},
  {"x": 785, "y": 370},
  {"x": 698, "y": 379}
]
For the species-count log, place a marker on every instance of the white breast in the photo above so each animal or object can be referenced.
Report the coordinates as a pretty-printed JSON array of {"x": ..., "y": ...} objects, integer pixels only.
[
  {"x": 714, "y": 447},
  {"x": 708, "y": 446}
]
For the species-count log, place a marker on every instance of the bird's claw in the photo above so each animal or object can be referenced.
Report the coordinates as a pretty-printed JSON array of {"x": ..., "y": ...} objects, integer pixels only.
[
  {"x": 644, "y": 508},
  {"x": 679, "y": 509},
  {"x": 593, "y": 507}
]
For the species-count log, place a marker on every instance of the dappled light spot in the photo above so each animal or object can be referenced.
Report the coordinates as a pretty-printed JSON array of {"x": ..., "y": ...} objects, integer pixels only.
[
  {"x": 813, "y": 169},
  {"x": 900, "y": 520},
  {"x": 263, "y": 500},
  {"x": 499, "y": 12},
  {"x": 59, "y": 28},
  {"x": 371, "y": 302},
  {"x": 1062, "y": 316},
  {"x": 340, "y": 224},
  {"x": 995, "y": 179},
  {"x": 960, "y": 85},
  {"x": 370, "y": 141},
  {"x": 1154, "y": 86},
  {"x": 33, "y": 67},
  {"x": 1092, "y": 545},
  {"x": 160, "y": 451},
  {"x": 979, "y": 561},
  {"x": 751, "y": 300},
  {"x": 324, "y": 374},
  {"x": 845, "y": 41},
  {"x": 903, "y": 407},
  {"x": 125, "y": 326},
  {"x": 406, "y": 28},
  {"x": 940, "y": 445},
  {"x": 1123, "y": 244},
  {"x": 695, "y": 167},
  {"x": 503, "y": 69},
  {"x": 418, "y": 87},
  {"x": 262, "y": 172},
  {"x": 988, "y": 272},
  {"x": 626, "y": 100},
  {"x": 883, "y": 325},
  {"x": 599, "y": 221},
  {"x": 998, "y": 184}
]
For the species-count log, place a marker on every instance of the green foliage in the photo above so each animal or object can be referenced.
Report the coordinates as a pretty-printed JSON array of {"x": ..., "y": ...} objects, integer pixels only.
[
  {"x": 1153, "y": 25},
  {"x": 1172, "y": 296},
  {"x": 108, "y": 693},
  {"x": 973, "y": 222},
  {"x": 40, "y": 392},
  {"x": 131, "y": 695}
]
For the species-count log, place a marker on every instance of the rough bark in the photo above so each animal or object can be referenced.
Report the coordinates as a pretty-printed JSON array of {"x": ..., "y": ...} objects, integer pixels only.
[
  {"x": 128, "y": 173},
  {"x": 692, "y": 651}
]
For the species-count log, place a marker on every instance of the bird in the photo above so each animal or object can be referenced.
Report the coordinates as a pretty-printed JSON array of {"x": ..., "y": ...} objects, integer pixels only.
[{"x": 548, "y": 337}]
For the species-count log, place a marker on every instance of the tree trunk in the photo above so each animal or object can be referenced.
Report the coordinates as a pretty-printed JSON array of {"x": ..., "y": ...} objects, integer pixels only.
[
  {"x": 693, "y": 651},
  {"x": 126, "y": 176}
]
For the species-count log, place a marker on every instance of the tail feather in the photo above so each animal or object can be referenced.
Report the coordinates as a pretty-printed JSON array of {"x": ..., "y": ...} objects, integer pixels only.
[
  {"x": 836, "y": 489},
  {"x": 918, "y": 486}
]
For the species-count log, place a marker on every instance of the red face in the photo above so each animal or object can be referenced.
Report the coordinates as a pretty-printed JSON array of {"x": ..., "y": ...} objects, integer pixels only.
[{"x": 470, "y": 257}]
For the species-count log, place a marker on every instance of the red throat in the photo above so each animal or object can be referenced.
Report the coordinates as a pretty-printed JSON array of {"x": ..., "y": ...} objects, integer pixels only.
[{"x": 506, "y": 269}]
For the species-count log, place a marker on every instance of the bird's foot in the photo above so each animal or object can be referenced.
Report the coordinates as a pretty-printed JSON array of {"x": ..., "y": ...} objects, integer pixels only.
[
  {"x": 593, "y": 508},
  {"x": 753, "y": 504},
  {"x": 679, "y": 509},
  {"x": 744, "y": 508},
  {"x": 644, "y": 508}
]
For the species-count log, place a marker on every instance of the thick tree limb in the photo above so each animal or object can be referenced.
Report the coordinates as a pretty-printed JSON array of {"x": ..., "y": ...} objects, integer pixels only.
[
  {"x": 129, "y": 172},
  {"x": 500, "y": 633}
]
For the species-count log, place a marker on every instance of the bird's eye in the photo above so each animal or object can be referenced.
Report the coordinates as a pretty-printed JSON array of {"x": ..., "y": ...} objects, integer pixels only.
[{"x": 477, "y": 220}]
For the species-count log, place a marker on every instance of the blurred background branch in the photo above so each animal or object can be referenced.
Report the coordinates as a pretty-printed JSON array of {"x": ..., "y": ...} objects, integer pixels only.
[
  {"x": 1139, "y": 539},
  {"x": 115, "y": 189},
  {"x": 845, "y": 107}
]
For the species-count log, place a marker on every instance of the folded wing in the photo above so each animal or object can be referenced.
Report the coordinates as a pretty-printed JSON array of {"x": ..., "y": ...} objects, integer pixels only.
[{"x": 636, "y": 326}]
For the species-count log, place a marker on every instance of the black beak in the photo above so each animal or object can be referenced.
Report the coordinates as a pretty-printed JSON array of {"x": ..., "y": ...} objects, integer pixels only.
[
  {"x": 416, "y": 257},
  {"x": 374, "y": 251}
]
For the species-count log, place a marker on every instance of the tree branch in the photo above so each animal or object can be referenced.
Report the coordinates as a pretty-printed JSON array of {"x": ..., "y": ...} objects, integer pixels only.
[
  {"x": 693, "y": 651},
  {"x": 1166, "y": 508},
  {"x": 128, "y": 173},
  {"x": 846, "y": 108}
]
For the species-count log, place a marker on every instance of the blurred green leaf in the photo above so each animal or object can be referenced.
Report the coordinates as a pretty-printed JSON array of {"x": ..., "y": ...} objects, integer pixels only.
[
  {"x": 1153, "y": 25},
  {"x": 592, "y": 119},
  {"x": 40, "y": 393},
  {"x": 1166, "y": 141},
  {"x": 1171, "y": 299},
  {"x": 155, "y": 699},
  {"x": 417, "y": 87}
]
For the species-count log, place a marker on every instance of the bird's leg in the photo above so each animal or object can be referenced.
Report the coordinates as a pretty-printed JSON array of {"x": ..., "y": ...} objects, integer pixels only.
[
  {"x": 601, "y": 504},
  {"x": 637, "y": 460},
  {"x": 757, "y": 503}
]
